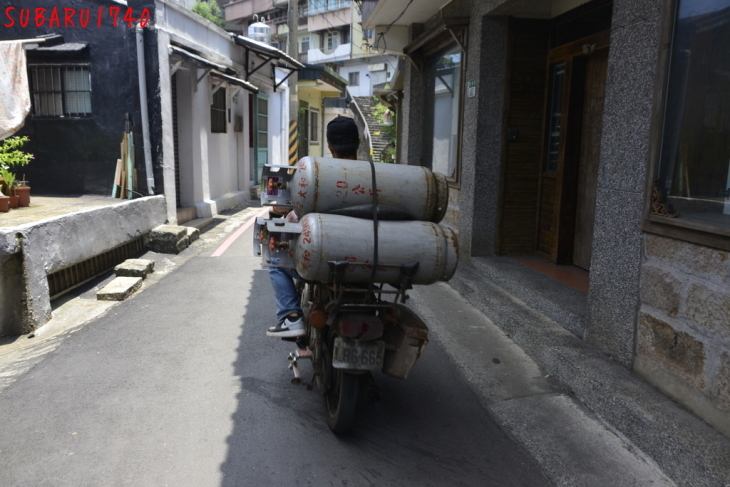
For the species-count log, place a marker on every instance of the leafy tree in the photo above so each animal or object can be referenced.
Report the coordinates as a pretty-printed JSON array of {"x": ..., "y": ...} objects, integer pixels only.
[{"x": 210, "y": 11}]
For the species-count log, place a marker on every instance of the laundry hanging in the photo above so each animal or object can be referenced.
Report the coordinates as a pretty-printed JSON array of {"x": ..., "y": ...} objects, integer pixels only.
[{"x": 14, "y": 94}]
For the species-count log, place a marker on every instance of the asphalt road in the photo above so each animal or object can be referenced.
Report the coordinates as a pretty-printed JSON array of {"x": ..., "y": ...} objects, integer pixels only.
[{"x": 179, "y": 386}]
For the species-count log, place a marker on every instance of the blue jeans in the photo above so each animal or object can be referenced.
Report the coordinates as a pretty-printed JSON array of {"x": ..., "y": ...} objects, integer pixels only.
[{"x": 285, "y": 291}]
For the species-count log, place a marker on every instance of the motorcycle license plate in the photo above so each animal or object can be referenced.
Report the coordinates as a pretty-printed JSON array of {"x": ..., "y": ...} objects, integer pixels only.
[{"x": 358, "y": 355}]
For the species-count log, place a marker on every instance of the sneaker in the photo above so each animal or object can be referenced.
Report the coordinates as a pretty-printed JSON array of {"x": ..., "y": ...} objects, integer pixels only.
[{"x": 287, "y": 327}]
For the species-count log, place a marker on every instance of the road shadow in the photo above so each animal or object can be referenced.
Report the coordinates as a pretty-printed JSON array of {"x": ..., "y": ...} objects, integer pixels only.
[{"x": 429, "y": 429}]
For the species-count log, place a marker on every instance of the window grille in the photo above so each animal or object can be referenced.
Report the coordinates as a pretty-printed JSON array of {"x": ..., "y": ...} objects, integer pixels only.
[
  {"x": 218, "y": 112},
  {"x": 60, "y": 90}
]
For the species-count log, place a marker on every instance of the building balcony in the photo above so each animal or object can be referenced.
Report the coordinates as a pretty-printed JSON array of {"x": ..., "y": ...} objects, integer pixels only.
[
  {"x": 331, "y": 19},
  {"x": 317, "y": 7},
  {"x": 244, "y": 9},
  {"x": 320, "y": 56}
]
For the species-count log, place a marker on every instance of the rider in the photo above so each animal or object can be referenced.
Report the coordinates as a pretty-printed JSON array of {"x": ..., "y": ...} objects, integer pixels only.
[{"x": 343, "y": 141}]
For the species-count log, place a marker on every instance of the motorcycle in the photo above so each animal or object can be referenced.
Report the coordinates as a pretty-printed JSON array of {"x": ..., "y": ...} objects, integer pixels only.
[{"x": 354, "y": 282}]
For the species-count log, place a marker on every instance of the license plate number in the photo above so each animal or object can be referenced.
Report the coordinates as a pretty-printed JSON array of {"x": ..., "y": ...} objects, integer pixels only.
[{"x": 354, "y": 354}]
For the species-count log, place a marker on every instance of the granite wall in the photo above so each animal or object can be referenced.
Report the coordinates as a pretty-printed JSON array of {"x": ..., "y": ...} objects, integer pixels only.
[
  {"x": 683, "y": 336},
  {"x": 613, "y": 299}
]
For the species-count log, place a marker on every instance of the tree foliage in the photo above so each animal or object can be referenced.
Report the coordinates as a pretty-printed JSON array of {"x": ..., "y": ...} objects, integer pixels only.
[
  {"x": 11, "y": 155},
  {"x": 210, "y": 11},
  {"x": 379, "y": 110}
]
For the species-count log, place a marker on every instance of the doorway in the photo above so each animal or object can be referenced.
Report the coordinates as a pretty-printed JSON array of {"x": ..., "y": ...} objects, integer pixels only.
[
  {"x": 261, "y": 129},
  {"x": 576, "y": 95}
]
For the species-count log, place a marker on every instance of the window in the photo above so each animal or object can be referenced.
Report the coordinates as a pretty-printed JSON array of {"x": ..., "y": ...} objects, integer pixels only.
[
  {"x": 346, "y": 36},
  {"x": 332, "y": 40},
  {"x": 354, "y": 78},
  {"x": 314, "y": 126},
  {"x": 694, "y": 159},
  {"x": 304, "y": 44},
  {"x": 218, "y": 112},
  {"x": 443, "y": 108},
  {"x": 60, "y": 90}
]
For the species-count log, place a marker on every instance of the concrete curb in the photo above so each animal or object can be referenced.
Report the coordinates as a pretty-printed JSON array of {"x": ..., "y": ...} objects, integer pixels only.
[
  {"x": 570, "y": 443},
  {"x": 684, "y": 447}
]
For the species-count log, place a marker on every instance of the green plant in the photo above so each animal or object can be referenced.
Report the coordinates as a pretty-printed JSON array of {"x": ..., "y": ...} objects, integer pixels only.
[
  {"x": 210, "y": 11},
  {"x": 390, "y": 131},
  {"x": 9, "y": 179},
  {"x": 11, "y": 155}
]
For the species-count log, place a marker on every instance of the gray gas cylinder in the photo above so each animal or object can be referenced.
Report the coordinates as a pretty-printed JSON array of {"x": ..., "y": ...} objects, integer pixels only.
[
  {"x": 326, "y": 238},
  {"x": 325, "y": 185}
]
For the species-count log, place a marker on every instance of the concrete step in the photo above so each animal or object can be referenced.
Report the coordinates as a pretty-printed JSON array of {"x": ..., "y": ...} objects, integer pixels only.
[
  {"x": 199, "y": 223},
  {"x": 681, "y": 445},
  {"x": 169, "y": 239},
  {"x": 119, "y": 289},
  {"x": 135, "y": 268},
  {"x": 186, "y": 214}
]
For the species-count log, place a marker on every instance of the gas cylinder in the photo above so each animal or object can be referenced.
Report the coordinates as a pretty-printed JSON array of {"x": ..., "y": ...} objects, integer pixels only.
[
  {"x": 327, "y": 238},
  {"x": 345, "y": 187}
]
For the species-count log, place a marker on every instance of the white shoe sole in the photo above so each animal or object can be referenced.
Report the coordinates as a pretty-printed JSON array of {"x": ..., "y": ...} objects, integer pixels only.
[{"x": 287, "y": 333}]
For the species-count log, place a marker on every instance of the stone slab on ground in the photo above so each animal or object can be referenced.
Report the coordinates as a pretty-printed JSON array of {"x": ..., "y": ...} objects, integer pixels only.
[
  {"x": 168, "y": 239},
  {"x": 119, "y": 289},
  {"x": 193, "y": 234},
  {"x": 135, "y": 268}
]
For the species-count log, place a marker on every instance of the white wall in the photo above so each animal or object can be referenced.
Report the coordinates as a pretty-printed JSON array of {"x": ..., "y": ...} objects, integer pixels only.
[
  {"x": 364, "y": 88},
  {"x": 367, "y": 78}
]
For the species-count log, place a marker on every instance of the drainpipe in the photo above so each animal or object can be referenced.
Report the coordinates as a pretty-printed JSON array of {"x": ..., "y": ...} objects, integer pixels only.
[{"x": 142, "y": 74}]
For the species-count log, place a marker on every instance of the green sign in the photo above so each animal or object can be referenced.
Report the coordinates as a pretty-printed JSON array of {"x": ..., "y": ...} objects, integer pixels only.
[{"x": 471, "y": 88}]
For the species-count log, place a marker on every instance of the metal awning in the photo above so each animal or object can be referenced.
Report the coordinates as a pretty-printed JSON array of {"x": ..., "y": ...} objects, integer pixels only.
[
  {"x": 265, "y": 50},
  {"x": 325, "y": 74},
  {"x": 200, "y": 61},
  {"x": 268, "y": 54},
  {"x": 67, "y": 47},
  {"x": 235, "y": 81}
]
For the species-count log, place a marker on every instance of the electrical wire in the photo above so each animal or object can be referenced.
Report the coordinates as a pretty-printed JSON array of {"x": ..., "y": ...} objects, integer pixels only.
[{"x": 381, "y": 35}]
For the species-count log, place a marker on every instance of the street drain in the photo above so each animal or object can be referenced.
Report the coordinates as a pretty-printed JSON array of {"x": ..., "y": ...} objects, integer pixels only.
[{"x": 70, "y": 277}]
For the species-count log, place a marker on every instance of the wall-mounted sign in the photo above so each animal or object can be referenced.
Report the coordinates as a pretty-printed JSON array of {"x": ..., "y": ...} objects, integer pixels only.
[{"x": 471, "y": 88}]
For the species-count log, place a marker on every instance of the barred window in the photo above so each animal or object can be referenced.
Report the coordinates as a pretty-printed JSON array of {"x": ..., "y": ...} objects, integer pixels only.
[
  {"x": 218, "y": 112},
  {"x": 60, "y": 90}
]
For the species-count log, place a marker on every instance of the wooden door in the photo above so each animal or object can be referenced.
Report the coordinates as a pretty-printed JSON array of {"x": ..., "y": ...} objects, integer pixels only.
[
  {"x": 593, "y": 102},
  {"x": 576, "y": 91}
]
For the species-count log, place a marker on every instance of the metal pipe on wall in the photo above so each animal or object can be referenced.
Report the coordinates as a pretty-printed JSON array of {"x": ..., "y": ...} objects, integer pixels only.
[{"x": 142, "y": 74}]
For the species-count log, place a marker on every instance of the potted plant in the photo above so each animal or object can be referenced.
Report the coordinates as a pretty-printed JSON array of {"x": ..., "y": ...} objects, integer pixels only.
[
  {"x": 8, "y": 184},
  {"x": 11, "y": 156}
]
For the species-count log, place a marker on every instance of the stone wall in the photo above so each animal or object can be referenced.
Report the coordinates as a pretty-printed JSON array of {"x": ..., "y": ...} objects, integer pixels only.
[
  {"x": 29, "y": 252},
  {"x": 683, "y": 335}
]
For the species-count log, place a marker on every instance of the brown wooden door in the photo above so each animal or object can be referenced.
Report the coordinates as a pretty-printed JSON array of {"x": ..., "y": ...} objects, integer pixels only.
[
  {"x": 577, "y": 73},
  {"x": 596, "y": 67}
]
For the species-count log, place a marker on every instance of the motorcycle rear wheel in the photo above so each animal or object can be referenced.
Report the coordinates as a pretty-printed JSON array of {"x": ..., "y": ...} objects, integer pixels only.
[{"x": 341, "y": 401}]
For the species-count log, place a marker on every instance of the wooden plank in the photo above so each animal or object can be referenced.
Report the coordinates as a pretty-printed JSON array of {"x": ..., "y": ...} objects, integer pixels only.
[{"x": 117, "y": 179}]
